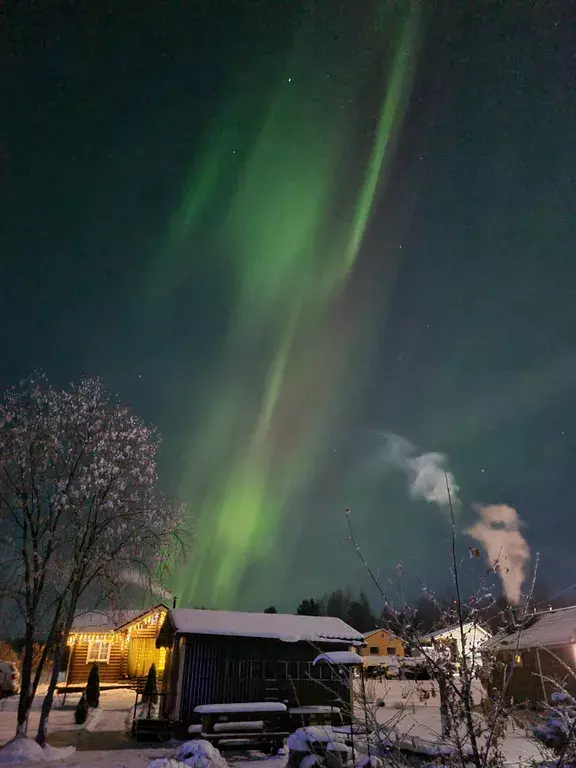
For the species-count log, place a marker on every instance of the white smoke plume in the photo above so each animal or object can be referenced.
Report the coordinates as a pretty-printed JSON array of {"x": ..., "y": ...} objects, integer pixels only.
[
  {"x": 498, "y": 530},
  {"x": 426, "y": 473},
  {"x": 138, "y": 579}
]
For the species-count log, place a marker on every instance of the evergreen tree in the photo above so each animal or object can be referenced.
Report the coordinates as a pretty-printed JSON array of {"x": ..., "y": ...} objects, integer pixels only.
[
  {"x": 428, "y": 614},
  {"x": 93, "y": 687},
  {"x": 270, "y": 609},
  {"x": 150, "y": 693},
  {"x": 309, "y": 607},
  {"x": 81, "y": 711},
  {"x": 360, "y": 615},
  {"x": 338, "y": 605}
]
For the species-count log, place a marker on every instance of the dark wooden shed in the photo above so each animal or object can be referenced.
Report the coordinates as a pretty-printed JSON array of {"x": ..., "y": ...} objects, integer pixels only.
[{"x": 221, "y": 657}]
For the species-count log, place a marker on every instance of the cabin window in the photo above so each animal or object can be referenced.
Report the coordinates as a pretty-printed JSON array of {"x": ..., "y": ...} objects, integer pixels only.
[
  {"x": 518, "y": 659},
  {"x": 391, "y": 651},
  {"x": 374, "y": 650},
  {"x": 98, "y": 652}
]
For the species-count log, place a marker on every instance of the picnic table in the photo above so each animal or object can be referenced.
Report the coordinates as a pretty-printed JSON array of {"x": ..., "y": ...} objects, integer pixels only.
[{"x": 228, "y": 726}]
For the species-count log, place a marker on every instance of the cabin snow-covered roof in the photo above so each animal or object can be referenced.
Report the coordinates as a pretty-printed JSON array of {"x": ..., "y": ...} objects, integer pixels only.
[
  {"x": 547, "y": 629},
  {"x": 274, "y": 626},
  {"x": 108, "y": 621}
]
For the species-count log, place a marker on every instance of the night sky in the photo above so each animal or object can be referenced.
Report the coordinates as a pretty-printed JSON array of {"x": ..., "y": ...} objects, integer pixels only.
[{"x": 279, "y": 230}]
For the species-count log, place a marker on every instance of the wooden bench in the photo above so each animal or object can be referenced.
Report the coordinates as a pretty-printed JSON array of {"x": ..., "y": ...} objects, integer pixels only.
[{"x": 267, "y": 741}]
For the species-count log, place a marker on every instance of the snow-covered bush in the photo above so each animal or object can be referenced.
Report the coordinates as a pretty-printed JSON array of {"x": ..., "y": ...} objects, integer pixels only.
[
  {"x": 559, "y": 731},
  {"x": 370, "y": 762},
  {"x": 199, "y": 753},
  {"x": 317, "y": 745},
  {"x": 165, "y": 762}
]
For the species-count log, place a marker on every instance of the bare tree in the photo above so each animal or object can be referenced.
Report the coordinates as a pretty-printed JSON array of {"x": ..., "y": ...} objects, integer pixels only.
[
  {"x": 79, "y": 510},
  {"x": 469, "y": 734}
]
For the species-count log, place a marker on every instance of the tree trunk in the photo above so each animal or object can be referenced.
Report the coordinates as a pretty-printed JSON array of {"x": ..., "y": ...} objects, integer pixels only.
[
  {"x": 25, "y": 700},
  {"x": 49, "y": 698}
]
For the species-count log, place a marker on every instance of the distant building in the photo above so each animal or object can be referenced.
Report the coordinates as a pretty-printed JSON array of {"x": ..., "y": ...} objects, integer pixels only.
[
  {"x": 475, "y": 638},
  {"x": 226, "y": 657},
  {"x": 539, "y": 650},
  {"x": 381, "y": 642},
  {"x": 122, "y": 643}
]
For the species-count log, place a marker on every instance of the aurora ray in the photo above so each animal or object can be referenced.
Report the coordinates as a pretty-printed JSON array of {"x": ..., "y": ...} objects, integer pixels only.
[{"x": 292, "y": 232}]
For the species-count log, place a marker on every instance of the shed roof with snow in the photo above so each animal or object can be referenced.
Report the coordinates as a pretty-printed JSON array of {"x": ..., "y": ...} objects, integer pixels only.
[
  {"x": 548, "y": 629},
  {"x": 274, "y": 626}
]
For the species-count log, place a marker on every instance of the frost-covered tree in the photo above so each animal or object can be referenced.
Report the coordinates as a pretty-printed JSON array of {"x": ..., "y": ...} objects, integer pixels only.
[{"x": 79, "y": 511}]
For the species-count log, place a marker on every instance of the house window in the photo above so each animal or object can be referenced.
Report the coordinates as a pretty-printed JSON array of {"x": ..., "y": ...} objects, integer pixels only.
[
  {"x": 374, "y": 650},
  {"x": 391, "y": 651},
  {"x": 98, "y": 651}
]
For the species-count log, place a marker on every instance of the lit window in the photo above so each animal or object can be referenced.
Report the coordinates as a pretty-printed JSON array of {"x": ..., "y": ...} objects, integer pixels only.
[
  {"x": 518, "y": 660},
  {"x": 98, "y": 651}
]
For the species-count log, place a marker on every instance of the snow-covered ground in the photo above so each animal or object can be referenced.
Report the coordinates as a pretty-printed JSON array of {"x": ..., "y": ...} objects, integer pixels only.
[
  {"x": 422, "y": 723},
  {"x": 409, "y": 718},
  {"x": 110, "y": 715}
]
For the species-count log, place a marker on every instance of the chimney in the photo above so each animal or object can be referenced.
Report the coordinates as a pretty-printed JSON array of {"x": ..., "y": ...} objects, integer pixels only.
[{"x": 174, "y": 602}]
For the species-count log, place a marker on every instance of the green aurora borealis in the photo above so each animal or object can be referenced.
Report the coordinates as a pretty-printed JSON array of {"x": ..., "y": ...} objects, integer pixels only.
[
  {"x": 278, "y": 230},
  {"x": 293, "y": 226}
]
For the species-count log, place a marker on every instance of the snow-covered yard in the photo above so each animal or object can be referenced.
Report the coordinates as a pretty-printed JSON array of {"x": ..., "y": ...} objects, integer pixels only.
[
  {"x": 109, "y": 717},
  {"x": 422, "y": 724},
  {"x": 409, "y": 719}
]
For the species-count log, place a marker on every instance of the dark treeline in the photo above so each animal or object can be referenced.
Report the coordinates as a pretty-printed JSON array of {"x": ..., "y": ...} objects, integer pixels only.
[{"x": 426, "y": 613}]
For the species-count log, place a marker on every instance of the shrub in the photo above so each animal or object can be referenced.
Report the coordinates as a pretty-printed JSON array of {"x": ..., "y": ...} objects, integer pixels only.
[
  {"x": 150, "y": 693},
  {"x": 81, "y": 711},
  {"x": 93, "y": 687}
]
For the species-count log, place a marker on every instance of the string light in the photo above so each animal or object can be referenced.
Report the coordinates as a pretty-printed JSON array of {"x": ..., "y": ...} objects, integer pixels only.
[{"x": 121, "y": 637}]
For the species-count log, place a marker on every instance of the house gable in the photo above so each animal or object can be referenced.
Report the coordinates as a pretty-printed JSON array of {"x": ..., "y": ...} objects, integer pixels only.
[{"x": 381, "y": 642}]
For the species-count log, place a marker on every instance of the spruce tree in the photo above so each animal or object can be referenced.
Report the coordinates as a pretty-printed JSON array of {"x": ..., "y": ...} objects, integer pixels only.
[
  {"x": 93, "y": 687},
  {"x": 81, "y": 711},
  {"x": 150, "y": 693}
]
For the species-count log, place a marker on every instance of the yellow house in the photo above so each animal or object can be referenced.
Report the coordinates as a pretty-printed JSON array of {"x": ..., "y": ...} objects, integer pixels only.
[{"x": 380, "y": 642}]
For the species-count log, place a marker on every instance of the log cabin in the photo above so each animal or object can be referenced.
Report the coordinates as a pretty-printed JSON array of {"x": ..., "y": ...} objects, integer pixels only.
[
  {"x": 221, "y": 657},
  {"x": 122, "y": 643},
  {"x": 540, "y": 654}
]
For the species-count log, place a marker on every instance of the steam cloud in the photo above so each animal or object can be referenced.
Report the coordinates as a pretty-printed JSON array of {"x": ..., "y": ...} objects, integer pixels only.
[
  {"x": 498, "y": 530},
  {"x": 426, "y": 473},
  {"x": 138, "y": 579}
]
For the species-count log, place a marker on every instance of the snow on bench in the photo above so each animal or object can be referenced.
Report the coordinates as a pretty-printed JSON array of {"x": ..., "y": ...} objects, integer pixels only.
[
  {"x": 319, "y": 710},
  {"x": 249, "y": 706},
  {"x": 246, "y": 725}
]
